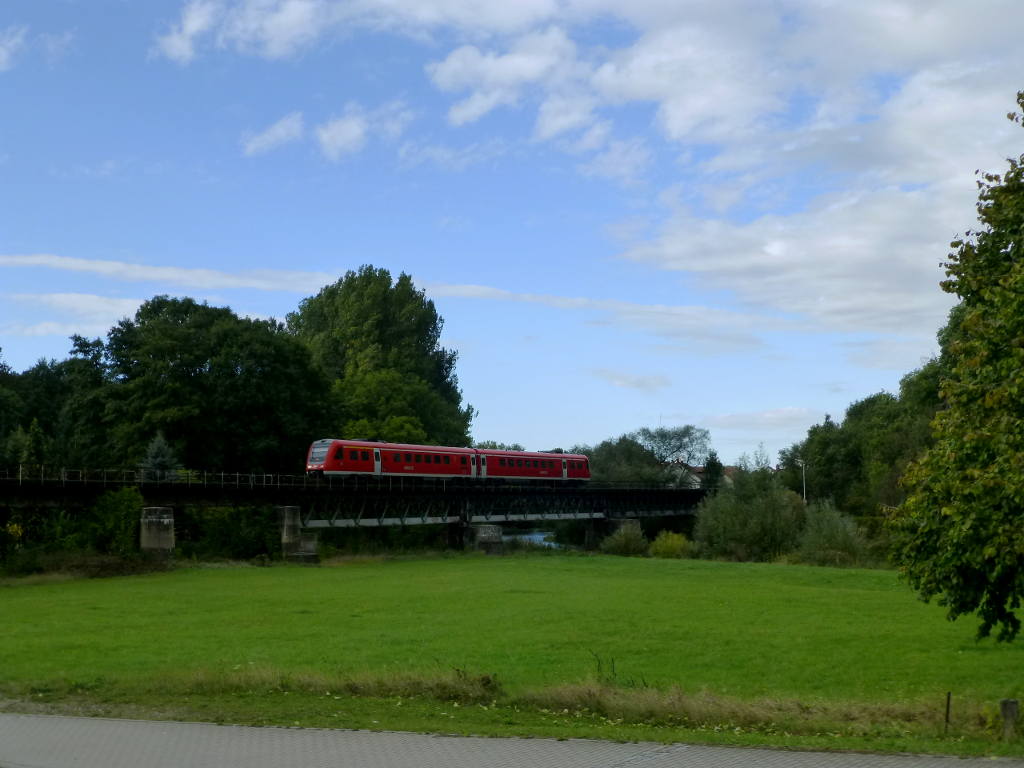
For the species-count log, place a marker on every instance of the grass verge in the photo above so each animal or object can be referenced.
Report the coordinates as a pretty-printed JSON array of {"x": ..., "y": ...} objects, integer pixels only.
[{"x": 519, "y": 646}]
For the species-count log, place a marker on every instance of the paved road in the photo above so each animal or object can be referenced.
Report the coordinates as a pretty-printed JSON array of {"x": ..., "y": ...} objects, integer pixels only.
[{"x": 39, "y": 741}]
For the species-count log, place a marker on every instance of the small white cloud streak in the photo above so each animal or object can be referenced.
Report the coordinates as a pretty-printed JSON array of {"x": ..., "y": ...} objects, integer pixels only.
[
  {"x": 286, "y": 130},
  {"x": 84, "y": 305},
  {"x": 206, "y": 279},
  {"x": 12, "y": 41},
  {"x": 90, "y": 315},
  {"x": 412, "y": 154},
  {"x": 344, "y": 135},
  {"x": 632, "y": 381},
  {"x": 707, "y": 329},
  {"x": 198, "y": 18},
  {"x": 622, "y": 161},
  {"x": 789, "y": 417},
  {"x": 704, "y": 329}
]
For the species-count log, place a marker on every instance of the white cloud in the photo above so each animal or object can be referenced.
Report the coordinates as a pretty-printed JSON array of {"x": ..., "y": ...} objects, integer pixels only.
[
  {"x": 278, "y": 28},
  {"x": 708, "y": 84},
  {"x": 391, "y": 119},
  {"x": 854, "y": 262},
  {"x": 632, "y": 381},
  {"x": 206, "y": 279},
  {"x": 198, "y": 18},
  {"x": 702, "y": 330},
  {"x": 705, "y": 330},
  {"x": 412, "y": 154},
  {"x": 12, "y": 41},
  {"x": 622, "y": 161},
  {"x": 789, "y": 417},
  {"x": 286, "y": 130},
  {"x": 496, "y": 79},
  {"x": 87, "y": 306},
  {"x": 345, "y": 135},
  {"x": 562, "y": 113},
  {"x": 85, "y": 314}
]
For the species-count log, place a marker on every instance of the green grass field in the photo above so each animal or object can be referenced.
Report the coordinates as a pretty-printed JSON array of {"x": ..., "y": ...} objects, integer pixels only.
[{"x": 547, "y": 644}]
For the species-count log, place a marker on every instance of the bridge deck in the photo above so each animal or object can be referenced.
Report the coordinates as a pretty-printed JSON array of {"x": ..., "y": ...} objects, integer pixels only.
[{"x": 353, "y": 501}]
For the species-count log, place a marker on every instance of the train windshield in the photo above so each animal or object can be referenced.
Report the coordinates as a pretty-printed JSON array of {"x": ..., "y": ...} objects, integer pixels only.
[{"x": 318, "y": 452}]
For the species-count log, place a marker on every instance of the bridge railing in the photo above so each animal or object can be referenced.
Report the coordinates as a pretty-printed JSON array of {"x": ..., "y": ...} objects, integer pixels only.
[
  {"x": 41, "y": 474},
  {"x": 47, "y": 475}
]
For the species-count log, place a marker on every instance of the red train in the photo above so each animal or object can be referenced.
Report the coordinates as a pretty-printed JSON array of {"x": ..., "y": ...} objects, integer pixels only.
[{"x": 363, "y": 457}]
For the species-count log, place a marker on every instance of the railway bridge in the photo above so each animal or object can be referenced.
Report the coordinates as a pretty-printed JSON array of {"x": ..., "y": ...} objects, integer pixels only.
[{"x": 314, "y": 503}]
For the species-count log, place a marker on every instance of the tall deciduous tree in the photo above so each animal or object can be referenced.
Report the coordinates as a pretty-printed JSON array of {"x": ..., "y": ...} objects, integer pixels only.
[
  {"x": 227, "y": 392},
  {"x": 378, "y": 341},
  {"x": 960, "y": 533},
  {"x": 686, "y": 444}
]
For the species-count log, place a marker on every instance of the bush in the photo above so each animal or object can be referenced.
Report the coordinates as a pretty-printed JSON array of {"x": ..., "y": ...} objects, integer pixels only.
[
  {"x": 669, "y": 544},
  {"x": 753, "y": 519},
  {"x": 115, "y": 527},
  {"x": 629, "y": 539},
  {"x": 830, "y": 538}
]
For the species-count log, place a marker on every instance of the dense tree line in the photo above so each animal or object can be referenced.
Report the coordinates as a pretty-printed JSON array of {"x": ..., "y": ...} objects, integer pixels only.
[
  {"x": 857, "y": 463},
  {"x": 361, "y": 359}
]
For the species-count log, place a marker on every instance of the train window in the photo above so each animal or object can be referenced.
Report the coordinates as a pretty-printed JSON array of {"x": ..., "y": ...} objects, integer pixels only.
[
  {"x": 519, "y": 462},
  {"x": 339, "y": 454},
  {"x": 408, "y": 457},
  {"x": 398, "y": 457},
  {"x": 447, "y": 460},
  {"x": 472, "y": 460},
  {"x": 419, "y": 458},
  {"x": 501, "y": 462},
  {"x": 354, "y": 455},
  {"x": 462, "y": 459},
  {"x": 536, "y": 464},
  {"x": 365, "y": 456}
]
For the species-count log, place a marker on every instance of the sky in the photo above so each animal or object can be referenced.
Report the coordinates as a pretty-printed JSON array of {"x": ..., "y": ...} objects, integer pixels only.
[{"x": 731, "y": 214}]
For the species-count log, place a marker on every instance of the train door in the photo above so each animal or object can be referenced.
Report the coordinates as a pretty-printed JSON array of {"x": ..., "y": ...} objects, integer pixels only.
[
  {"x": 483, "y": 466},
  {"x": 565, "y": 470},
  {"x": 376, "y": 461}
]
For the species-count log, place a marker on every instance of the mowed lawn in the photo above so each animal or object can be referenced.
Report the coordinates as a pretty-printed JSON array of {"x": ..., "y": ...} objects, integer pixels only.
[{"x": 741, "y": 630}]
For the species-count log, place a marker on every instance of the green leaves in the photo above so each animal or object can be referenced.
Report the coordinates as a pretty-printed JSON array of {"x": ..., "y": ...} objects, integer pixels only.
[
  {"x": 378, "y": 341},
  {"x": 960, "y": 533}
]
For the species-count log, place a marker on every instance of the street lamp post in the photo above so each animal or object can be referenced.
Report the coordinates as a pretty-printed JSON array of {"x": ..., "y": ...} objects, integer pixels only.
[{"x": 803, "y": 475}]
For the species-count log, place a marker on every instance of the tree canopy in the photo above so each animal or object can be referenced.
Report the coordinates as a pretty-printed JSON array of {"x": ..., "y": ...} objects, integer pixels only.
[
  {"x": 227, "y": 392},
  {"x": 960, "y": 532},
  {"x": 362, "y": 358},
  {"x": 686, "y": 444},
  {"x": 378, "y": 342}
]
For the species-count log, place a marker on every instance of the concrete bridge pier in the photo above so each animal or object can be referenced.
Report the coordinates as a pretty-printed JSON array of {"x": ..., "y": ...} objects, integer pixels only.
[
  {"x": 156, "y": 530},
  {"x": 487, "y": 538},
  {"x": 297, "y": 545}
]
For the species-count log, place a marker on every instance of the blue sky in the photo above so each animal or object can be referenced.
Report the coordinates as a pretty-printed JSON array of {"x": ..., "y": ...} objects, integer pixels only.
[{"x": 728, "y": 214}]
